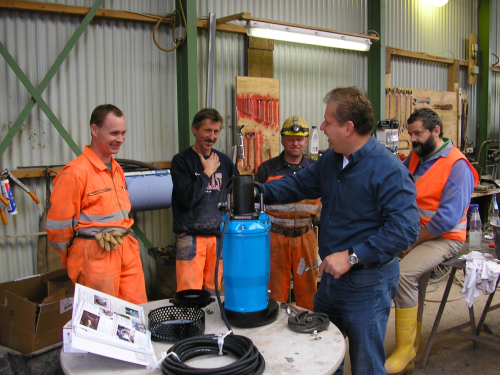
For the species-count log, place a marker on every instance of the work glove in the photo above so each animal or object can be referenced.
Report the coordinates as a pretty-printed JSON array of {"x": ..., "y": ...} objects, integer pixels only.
[{"x": 109, "y": 240}]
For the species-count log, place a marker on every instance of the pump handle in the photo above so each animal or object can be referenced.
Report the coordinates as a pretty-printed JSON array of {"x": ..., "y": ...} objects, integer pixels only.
[{"x": 261, "y": 196}]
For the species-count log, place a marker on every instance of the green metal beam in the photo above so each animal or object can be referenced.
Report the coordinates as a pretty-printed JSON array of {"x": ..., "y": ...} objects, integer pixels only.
[
  {"x": 38, "y": 98},
  {"x": 50, "y": 74},
  {"x": 483, "y": 78},
  {"x": 376, "y": 59},
  {"x": 142, "y": 236},
  {"x": 187, "y": 77}
]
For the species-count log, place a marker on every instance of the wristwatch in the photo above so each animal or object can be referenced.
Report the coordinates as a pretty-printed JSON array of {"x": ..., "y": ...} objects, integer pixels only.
[{"x": 352, "y": 257}]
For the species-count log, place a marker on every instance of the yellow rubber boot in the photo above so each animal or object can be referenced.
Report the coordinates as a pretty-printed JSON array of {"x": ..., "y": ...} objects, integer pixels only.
[
  {"x": 411, "y": 366},
  {"x": 406, "y": 331}
]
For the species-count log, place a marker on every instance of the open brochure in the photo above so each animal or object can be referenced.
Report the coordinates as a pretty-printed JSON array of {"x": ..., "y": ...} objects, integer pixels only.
[{"x": 110, "y": 327}]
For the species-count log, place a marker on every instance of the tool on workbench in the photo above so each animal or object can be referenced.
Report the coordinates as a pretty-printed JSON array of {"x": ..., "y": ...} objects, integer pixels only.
[
  {"x": 4, "y": 203},
  {"x": 7, "y": 173},
  {"x": 411, "y": 101},
  {"x": 404, "y": 124},
  {"x": 247, "y": 141},
  {"x": 241, "y": 145},
  {"x": 396, "y": 93},
  {"x": 252, "y": 134},
  {"x": 444, "y": 106},
  {"x": 465, "y": 111},
  {"x": 302, "y": 267},
  {"x": 7, "y": 194},
  {"x": 401, "y": 119},
  {"x": 388, "y": 92},
  {"x": 421, "y": 101}
]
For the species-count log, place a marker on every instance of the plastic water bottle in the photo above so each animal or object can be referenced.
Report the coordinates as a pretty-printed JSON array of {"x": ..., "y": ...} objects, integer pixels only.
[
  {"x": 476, "y": 229},
  {"x": 492, "y": 216},
  {"x": 314, "y": 144}
]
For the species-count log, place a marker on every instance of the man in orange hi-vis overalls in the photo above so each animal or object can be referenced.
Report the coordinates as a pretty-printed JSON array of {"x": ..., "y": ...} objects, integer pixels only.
[
  {"x": 292, "y": 236},
  {"x": 88, "y": 220}
]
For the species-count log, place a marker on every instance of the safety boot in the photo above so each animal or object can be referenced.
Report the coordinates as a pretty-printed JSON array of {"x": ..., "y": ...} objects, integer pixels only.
[
  {"x": 406, "y": 331},
  {"x": 411, "y": 366}
]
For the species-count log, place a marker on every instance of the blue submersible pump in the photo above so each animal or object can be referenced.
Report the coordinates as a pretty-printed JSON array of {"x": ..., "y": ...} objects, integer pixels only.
[{"x": 246, "y": 255}]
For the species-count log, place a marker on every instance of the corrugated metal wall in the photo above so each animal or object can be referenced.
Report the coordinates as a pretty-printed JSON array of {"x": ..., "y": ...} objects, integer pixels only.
[
  {"x": 117, "y": 62},
  {"x": 113, "y": 62}
]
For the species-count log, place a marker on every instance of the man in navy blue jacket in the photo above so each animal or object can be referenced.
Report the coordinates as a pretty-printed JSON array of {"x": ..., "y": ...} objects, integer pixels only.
[
  {"x": 369, "y": 215},
  {"x": 198, "y": 174}
]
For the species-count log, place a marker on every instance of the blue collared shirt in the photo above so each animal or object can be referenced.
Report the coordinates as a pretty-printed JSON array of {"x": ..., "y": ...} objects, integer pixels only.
[
  {"x": 369, "y": 205},
  {"x": 456, "y": 194}
]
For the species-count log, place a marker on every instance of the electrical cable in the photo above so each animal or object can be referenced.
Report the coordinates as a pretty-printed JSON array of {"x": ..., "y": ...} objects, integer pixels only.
[
  {"x": 451, "y": 53},
  {"x": 216, "y": 281},
  {"x": 219, "y": 257},
  {"x": 498, "y": 60},
  {"x": 367, "y": 32},
  {"x": 174, "y": 15},
  {"x": 248, "y": 358}
]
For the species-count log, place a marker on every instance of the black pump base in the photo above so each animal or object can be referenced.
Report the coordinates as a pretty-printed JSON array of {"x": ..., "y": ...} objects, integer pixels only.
[{"x": 253, "y": 319}]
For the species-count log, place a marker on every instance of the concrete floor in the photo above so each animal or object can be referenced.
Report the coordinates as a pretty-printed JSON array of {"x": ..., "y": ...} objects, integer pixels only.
[{"x": 452, "y": 354}]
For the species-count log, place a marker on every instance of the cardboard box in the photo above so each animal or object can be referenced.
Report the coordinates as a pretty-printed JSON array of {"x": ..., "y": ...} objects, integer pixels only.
[{"x": 34, "y": 310}]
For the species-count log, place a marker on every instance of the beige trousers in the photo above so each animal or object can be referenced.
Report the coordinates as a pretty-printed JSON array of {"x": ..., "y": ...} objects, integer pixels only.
[{"x": 422, "y": 259}]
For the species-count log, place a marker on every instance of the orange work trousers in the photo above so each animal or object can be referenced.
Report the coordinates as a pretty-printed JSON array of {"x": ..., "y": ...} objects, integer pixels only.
[
  {"x": 285, "y": 255},
  {"x": 195, "y": 263},
  {"x": 117, "y": 272}
]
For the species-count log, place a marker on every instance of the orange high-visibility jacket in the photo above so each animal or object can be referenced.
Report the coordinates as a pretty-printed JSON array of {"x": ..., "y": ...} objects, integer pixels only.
[
  {"x": 87, "y": 199},
  {"x": 292, "y": 215},
  {"x": 430, "y": 188}
]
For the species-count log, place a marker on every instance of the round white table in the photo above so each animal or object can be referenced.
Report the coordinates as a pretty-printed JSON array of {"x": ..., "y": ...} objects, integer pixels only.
[{"x": 285, "y": 351}]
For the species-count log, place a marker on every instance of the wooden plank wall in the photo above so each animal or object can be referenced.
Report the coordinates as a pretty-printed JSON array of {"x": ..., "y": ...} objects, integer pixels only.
[{"x": 449, "y": 117}]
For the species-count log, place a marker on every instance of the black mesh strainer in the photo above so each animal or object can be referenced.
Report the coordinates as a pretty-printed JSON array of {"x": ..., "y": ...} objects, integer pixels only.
[{"x": 173, "y": 323}]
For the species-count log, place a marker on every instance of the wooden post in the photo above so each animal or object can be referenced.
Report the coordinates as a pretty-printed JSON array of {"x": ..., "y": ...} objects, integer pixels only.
[{"x": 260, "y": 57}]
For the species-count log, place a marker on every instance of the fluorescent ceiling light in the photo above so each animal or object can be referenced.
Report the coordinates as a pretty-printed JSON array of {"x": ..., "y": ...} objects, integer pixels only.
[
  {"x": 307, "y": 36},
  {"x": 438, "y": 3}
]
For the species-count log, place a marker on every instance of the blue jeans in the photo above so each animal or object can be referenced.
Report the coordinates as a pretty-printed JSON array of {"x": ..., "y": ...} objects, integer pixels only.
[{"x": 358, "y": 303}]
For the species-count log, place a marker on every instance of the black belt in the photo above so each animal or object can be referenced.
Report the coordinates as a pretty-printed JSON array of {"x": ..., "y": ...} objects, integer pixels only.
[
  {"x": 291, "y": 232},
  {"x": 359, "y": 266},
  {"x": 85, "y": 237}
]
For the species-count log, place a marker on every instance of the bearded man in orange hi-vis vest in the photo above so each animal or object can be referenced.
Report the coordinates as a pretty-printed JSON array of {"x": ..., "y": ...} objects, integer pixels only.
[
  {"x": 292, "y": 234},
  {"x": 88, "y": 220},
  {"x": 445, "y": 181}
]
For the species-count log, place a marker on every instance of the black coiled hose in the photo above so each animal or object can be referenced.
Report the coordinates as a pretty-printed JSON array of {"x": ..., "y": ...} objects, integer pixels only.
[{"x": 249, "y": 361}]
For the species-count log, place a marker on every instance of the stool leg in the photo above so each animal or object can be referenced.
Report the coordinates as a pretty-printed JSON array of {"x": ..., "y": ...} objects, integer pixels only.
[
  {"x": 472, "y": 321},
  {"x": 438, "y": 316},
  {"x": 485, "y": 310}
]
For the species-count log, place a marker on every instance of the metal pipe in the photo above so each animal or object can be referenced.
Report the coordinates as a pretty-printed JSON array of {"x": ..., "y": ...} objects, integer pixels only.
[{"x": 211, "y": 59}]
